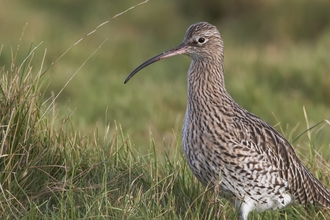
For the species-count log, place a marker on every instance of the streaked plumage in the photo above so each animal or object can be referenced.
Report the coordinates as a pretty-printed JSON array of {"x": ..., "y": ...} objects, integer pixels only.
[{"x": 255, "y": 166}]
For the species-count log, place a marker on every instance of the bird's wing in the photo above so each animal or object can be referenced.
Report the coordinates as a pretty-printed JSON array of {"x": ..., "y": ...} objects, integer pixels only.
[{"x": 269, "y": 142}]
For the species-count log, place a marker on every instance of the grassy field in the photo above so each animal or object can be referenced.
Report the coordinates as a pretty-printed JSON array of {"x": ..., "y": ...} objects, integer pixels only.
[{"x": 77, "y": 143}]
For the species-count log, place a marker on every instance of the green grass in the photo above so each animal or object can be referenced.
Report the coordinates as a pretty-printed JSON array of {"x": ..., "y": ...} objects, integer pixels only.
[
  {"x": 76, "y": 143},
  {"x": 49, "y": 170}
]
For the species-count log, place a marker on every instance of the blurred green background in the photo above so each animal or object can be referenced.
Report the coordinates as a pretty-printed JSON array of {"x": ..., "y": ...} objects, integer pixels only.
[{"x": 277, "y": 60}]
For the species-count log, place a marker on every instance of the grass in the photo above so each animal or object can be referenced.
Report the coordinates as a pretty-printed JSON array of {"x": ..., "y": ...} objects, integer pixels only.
[
  {"x": 61, "y": 158},
  {"x": 49, "y": 170}
]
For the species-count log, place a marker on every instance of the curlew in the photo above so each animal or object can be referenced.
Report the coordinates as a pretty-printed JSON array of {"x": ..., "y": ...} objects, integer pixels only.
[{"x": 253, "y": 165}]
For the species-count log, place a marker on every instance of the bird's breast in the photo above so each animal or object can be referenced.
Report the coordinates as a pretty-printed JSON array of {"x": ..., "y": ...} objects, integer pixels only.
[{"x": 201, "y": 145}]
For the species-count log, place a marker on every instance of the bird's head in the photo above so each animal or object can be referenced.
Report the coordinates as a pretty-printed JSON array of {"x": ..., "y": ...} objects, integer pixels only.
[{"x": 201, "y": 42}]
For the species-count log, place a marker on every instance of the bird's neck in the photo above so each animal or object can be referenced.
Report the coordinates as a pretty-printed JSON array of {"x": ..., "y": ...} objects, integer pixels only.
[
  {"x": 207, "y": 92},
  {"x": 206, "y": 80}
]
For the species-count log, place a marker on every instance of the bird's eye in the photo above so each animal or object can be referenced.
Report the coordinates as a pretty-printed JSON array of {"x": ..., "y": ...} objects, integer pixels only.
[{"x": 201, "y": 40}]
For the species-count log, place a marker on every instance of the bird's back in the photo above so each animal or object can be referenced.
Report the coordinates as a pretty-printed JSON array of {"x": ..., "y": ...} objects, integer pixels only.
[{"x": 252, "y": 161}]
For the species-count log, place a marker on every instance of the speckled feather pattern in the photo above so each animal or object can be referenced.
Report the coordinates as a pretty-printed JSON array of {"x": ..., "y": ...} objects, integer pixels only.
[{"x": 222, "y": 141}]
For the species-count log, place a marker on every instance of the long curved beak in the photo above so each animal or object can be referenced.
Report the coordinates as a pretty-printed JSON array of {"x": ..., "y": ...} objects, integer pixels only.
[{"x": 181, "y": 49}]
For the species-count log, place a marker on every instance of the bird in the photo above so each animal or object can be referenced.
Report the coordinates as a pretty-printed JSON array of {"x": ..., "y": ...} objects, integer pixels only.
[{"x": 226, "y": 146}]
